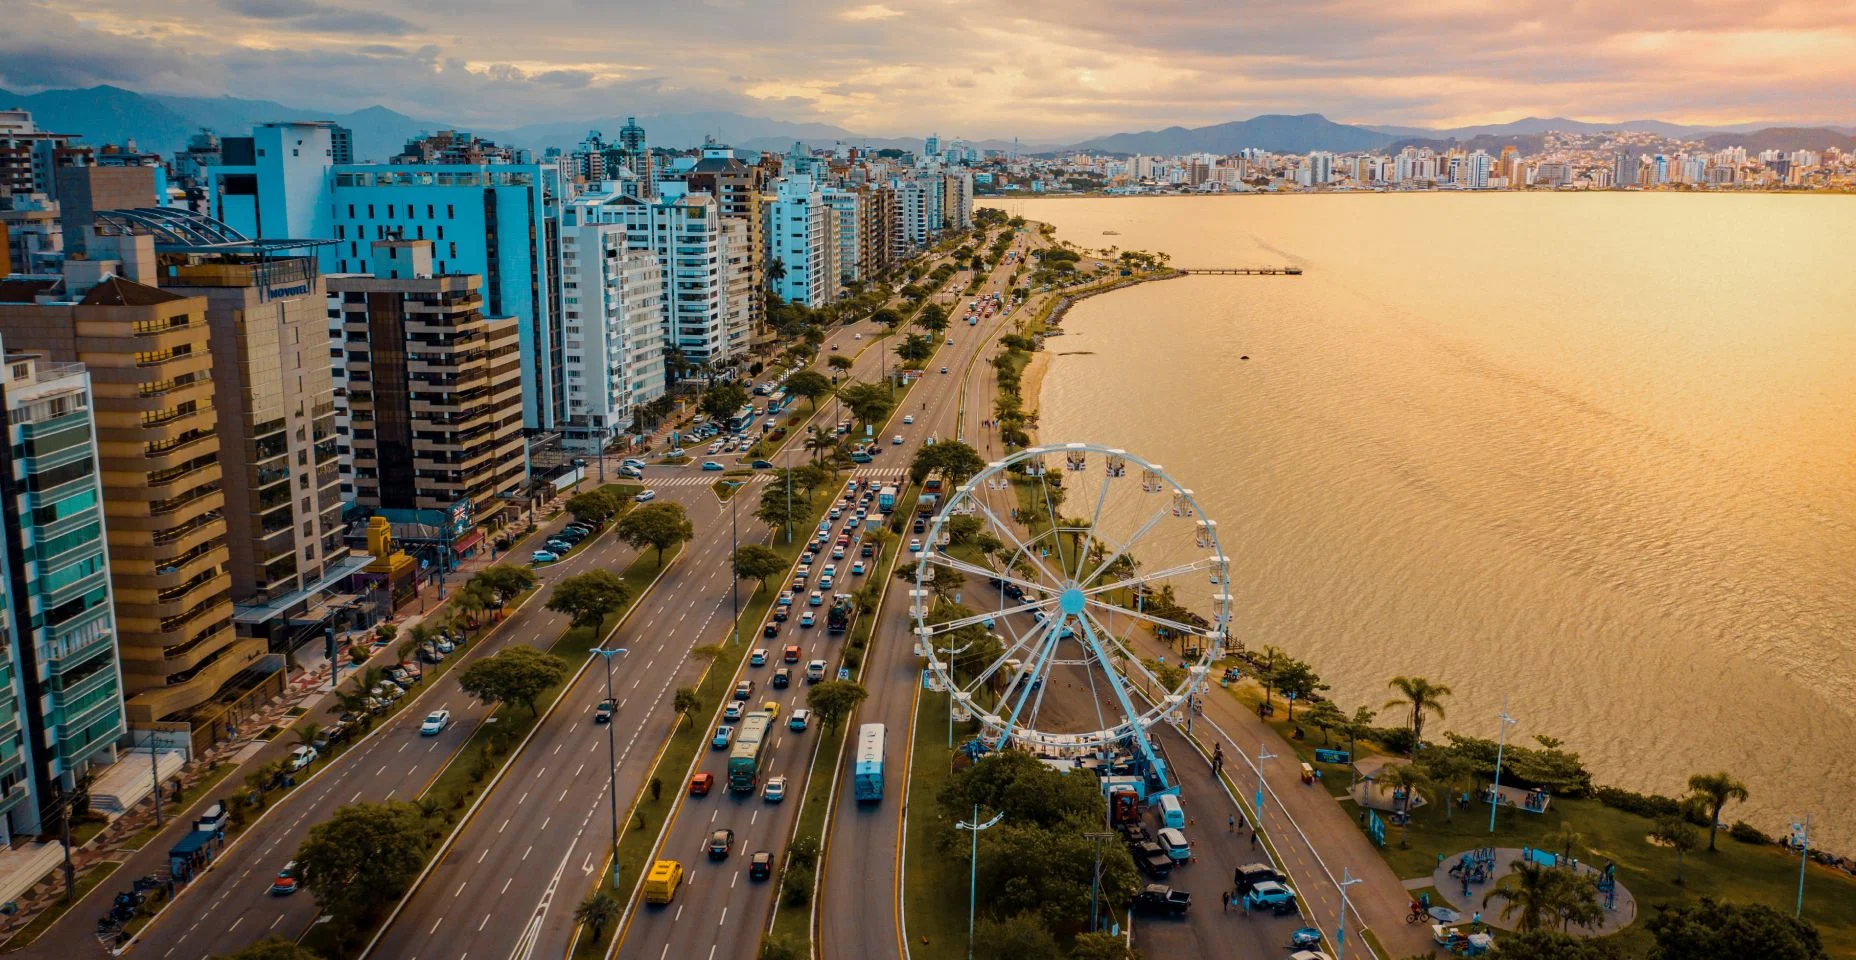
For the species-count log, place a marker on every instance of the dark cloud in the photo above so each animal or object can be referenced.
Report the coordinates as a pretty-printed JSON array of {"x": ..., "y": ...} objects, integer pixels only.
[
  {"x": 566, "y": 79},
  {"x": 321, "y": 17}
]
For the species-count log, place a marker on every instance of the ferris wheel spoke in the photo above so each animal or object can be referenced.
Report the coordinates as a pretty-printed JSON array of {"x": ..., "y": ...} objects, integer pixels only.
[
  {"x": 1029, "y": 671},
  {"x": 1125, "y": 547},
  {"x": 1128, "y": 654},
  {"x": 1114, "y": 679},
  {"x": 955, "y": 563},
  {"x": 1173, "y": 625},
  {"x": 1026, "y": 551},
  {"x": 937, "y": 629},
  {"x": 1168, "y": 573},
  {"x": 1095, "y": 521},
  {"x": 1056, "y": 529}
]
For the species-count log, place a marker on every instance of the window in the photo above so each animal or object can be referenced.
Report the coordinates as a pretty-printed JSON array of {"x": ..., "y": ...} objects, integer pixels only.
[
  {"x": 370, "y": 211},
  {"x": 448, "y": 212},
  {"x": 428, "y": 212}
]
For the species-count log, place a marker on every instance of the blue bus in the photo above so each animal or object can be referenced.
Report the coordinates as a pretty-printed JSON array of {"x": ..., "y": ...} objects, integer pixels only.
[
  {"x": 777, "y": 402},
  {"x": 742, "y": 419},
  {"x": 867, "y": 776}
]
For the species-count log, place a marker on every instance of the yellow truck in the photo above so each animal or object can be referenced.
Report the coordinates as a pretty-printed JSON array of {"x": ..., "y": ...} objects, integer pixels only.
[{"x": 660, "y": 885}]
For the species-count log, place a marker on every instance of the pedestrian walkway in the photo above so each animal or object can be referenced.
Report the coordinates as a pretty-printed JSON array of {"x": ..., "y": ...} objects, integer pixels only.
[
  {"x": 704, "y": 481},
  {"x": 1464, "y": 882},
  {"x": 881, "y": 473}
]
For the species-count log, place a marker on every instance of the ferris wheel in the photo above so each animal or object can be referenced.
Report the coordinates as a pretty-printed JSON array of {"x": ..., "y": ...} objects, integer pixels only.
[{"x": 1070, "y": 596}]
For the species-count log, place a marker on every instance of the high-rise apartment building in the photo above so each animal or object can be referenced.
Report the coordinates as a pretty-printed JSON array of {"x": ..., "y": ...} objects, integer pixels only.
[
  {"x": 162, "y": 471},
  {"x": 30, "y": 158},
  {"x": 497, "y": 220},
  {"x": 737, "y": 189},
  {"x": 635, "y": 154},
  {"x": 799, "y": 243},
  {"x": 431, "y": 391},
  {"x": 61, "y": 706},
  {"x": 613, "y": 312},
  {"x": 851, "y": 207},
  {"x": 685, "y": 231}
]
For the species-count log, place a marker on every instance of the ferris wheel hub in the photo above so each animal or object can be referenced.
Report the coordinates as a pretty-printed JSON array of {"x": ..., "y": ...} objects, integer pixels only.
[{"x": 1072, "y": 601}]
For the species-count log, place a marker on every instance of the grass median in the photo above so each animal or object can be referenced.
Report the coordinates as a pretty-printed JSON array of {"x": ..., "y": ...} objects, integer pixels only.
[
  {"x": 934, "y": 884},
  {"x": 648, "y": 810}
]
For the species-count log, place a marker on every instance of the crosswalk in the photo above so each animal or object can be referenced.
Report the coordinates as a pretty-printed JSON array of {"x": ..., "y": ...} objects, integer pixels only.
[
  {"x": 702, "y": 481},
  {"x": 881, "y": 473}
]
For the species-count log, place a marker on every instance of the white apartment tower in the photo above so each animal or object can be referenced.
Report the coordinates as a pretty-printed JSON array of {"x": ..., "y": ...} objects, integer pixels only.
[
  {"x": 612, "y": 313},
  {"x": 685, "y": 231},
  {"x": 800, "y": 240}
]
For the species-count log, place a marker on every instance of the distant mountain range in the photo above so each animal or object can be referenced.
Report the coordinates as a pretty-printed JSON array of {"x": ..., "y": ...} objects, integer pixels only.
[{"x": 107, "y": 114}]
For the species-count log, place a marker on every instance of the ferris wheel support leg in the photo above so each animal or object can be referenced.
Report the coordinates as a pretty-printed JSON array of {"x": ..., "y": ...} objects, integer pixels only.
[{"x": 1155, "y": 766}]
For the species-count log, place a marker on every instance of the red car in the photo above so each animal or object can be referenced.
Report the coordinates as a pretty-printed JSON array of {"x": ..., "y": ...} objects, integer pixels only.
[
  {"x": 792, "y": 653},
  {"x": 700, "y": 784}
]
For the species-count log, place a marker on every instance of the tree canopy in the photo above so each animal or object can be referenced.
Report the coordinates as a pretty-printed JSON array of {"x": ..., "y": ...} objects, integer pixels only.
[
  {"x": 589, "y": 598},
  {"x": 833, "y": 700},
  {"x": 658, "y": 525},
  {"x": 809, "y": 384},
  {"x": 1710, "y": 929},
  {"x": 722, "y": 399},
  {"x": 954, "y": 460},
  {"x": 594, "y": 506},
  {"x": 518, "y": 674},
  {"x": 758, "y": 562},
  {"x": 362, "y": 858},
  {"x": 869, "y": 403}
]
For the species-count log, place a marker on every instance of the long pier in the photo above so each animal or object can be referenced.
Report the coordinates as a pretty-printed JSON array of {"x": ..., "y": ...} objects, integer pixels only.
[{"x": 1247, "y": 271}]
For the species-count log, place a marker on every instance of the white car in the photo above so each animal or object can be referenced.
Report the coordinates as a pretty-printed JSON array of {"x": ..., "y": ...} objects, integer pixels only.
[
  {"x": 645, "y": 496},
  {"x": 775, "y": 791},
  {"x": 302, "y": 757},
  {"x": 897, "y": 439},
  {"x": 915, "y": 545},
  {"x": 908, "y": 418},
  {"x": 435, "y": 723},
  {"x": 929, "y": 442}
]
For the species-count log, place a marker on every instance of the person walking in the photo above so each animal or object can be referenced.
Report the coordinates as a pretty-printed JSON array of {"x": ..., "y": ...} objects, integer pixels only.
[
  {"x": 1224, "y": 900},
  {"x": 1253, "y": 839},
  {"x": 1230, "y": 824}
]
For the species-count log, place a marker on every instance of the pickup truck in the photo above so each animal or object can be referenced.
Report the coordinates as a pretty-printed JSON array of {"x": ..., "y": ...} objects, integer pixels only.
[
  {"x": 1162, "y": 899},
  {"x": 1152, "y": 859}
]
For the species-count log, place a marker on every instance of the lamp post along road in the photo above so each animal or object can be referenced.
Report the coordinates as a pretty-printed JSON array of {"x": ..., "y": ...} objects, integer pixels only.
[
  {"x": 1263, "y": 753},
  {"x": 612, "y": 761},
  {"x": 973, "y": 867},
  {"x": 734, "y": 544},
  {"x": 1347, "y": 879},
  {"x": 1501, "y": 747}
]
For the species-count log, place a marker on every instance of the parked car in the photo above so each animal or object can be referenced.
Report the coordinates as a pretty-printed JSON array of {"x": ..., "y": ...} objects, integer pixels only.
[
  {"x": 543, "y": 556},
  {"x": 1152, "y": 860},
  {"x": 724, "y": 734},
  {"x": 720, "y": 843},
  {"x": 775, "y": 790},
  {"x": 1161, "y": 899},
  {"x": 1277, "y": 897},
  {"x": 1251, "y": 874},
  {"x": 760, "y": 866},
  {"x": 435, "y": 723},
  {"x": 701, "y": 783},
  {"x": 302, "y": 756},
  {"x": 1173, "y": 841}
]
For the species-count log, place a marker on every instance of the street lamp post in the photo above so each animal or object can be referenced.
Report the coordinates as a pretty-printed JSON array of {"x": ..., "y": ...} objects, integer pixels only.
[
  {"x": 1501, "y": 746},
  {"x": 1263, "y": 753},
  {"x": 1801, "y": 835},
  {"x": 1095, "y": 879},
  {"x": 734, "y": 542},
  {"x": 973, "y": 868},
  {"x": 612, "y": 761},
  {"x": 1347, "y": 879}
]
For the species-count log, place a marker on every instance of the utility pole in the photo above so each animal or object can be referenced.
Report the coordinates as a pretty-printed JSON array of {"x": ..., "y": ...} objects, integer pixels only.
[
  {"x": 1347, "y": 879},
  {"x": 973, "y": 869},
  {"x": 612, "y": 761},
  {"x": 1501, "y": 746},
  {"x": 734, "y": 541},
  {"x": 1801, "y": 835},
  {"x": 154, "y": 775},
  {"x": 1095, "y": 880},
  {"x": 1263, "y": 753}
]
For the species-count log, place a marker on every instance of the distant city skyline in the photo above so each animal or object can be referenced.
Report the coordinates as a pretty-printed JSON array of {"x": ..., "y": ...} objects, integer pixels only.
[{"x": 1037, "y": 69}]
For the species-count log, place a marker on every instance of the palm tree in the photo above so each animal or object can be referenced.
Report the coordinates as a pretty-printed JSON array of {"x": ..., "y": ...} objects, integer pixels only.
[
  {"x": 1531, "y": 890},
  {"x": 818, "y": 442},
  {"x": 307, "y": 732},
  {"x": 1563, "y": 839},
  {"x": 686, "y": 703},
  {"x": 1420, "y": 696},
  {"x": 1453, "y": 775},
  {"x": 1266, "y": 675},
  {"x": 1412, "y": 781},
  {"x": 598, "y": 909},
  {"x": 1712, "y": 791}
]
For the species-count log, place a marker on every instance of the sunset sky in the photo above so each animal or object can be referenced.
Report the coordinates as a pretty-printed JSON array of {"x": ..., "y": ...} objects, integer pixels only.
[{"x": 1037, "y": 69}]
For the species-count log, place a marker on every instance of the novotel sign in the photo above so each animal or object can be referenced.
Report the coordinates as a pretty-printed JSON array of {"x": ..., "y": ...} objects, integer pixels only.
[{"x": 291, "y": 291}]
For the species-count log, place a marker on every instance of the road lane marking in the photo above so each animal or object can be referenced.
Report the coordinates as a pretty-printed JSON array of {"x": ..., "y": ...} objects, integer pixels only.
[
  {"x": 722, "y": 923},
  {"x": 235, "y": 924},
  {"x": 506, "y": 883},
  {"x": 547, "y": 820},
  {"x": 530, "y": 850},
  {"x": 460, "y": 890},
  {"x": 435, "y": 924},
  {"x": 505, "y": 826},
  {"x": 485, "y": 853}
]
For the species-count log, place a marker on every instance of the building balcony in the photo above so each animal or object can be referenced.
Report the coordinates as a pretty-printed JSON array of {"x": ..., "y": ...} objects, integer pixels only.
[{"x": 172, "y": 698}]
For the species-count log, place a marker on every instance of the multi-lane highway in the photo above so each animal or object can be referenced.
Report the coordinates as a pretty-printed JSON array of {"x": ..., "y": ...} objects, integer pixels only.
[
  {"x": 230, "y": 905},
  {"x": 720, "y": 912}
]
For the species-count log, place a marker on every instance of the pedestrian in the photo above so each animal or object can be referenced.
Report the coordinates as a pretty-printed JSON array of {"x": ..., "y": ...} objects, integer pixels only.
[
  {"x": 1241, "y": 821},
  {"x": 1224, "y": 900},
  {"x": 1230, "y": 824},
  {"x": 1253, "y": 839},
  {"x": 1246, "y": 904}
]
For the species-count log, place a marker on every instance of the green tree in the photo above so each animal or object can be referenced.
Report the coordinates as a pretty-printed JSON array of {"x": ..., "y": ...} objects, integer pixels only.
[
  {"x": 593, "y": 506},
  {"x": 307, "y": 731},
  {"x": 1409, "y": 778},
  {"x": 819, "y": 442},
  {"x": 1326, "y": 717},
  {"x": 833, "y": 700},
  {"x": 518, "y": 674},
  {"x": 686, "y": 703},
  {"x": 840, "y": 362},
  {"x": 656, "y": 525},
  {"x": 915, "y": 348},
  {"x": 1711, "y": 930},
  {"x": 589, "y": 598},
  {"x": 272, "y": 948},
  {"x": 1679, "y": 835},
  {"x": 722, "y": 399},
  {"x": 598, "y": 909},
  {"x": 809, "y": 384},
  {"x": 1100, "y": 946},
  {"x": 1419, "y": 697},
  {"x": 777, "y": 509},
  {"x": 757, "y": 562},
  {"x": 887, "y": 317},
  {"x": 1712, "y": 792},
  {"x": 1453, "y": 774},
  {"x": 505, "y": 581},
  {"x": 1552, "y": 945},
  {"x": 1019, "y": 937},
  {"x": 1296, "y": 679},
  {"x": 1531, "y": 891},
  {"x": 362, "y": 858},
  {"x": 954, "y": 460},
  {"x": 933, "y": 318},
  {"x": 869, "y": 403},
  {"x": 962, "y": 529}
]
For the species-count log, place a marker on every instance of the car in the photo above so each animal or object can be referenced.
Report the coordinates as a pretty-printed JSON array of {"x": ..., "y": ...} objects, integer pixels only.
[
  {"x": 760, "y": 865},
  {"x": 443, "y": 646},
  {"x": 771, "y": 708},
  {"x": 800, "y": 719},
  {"x": 1173, "y": 841},
  {"x": 897, "y": 440},
  {"x": 1152, "y": 860},
  {"x": 780, "y": 612},
  {"x": 711, "y": 465},
  {"x": 928, "y": 442},
  {"x": 388, "y": 691},
  {"x": 908, "y": 418},
  {"x": 815, "y": 671},
  {"x": 720, "y": 842},
  {"x": 1278, "y": 897},
  {"x": 867, "y": 550},
  {"x": 1251, "y": 874},
  {"x": 632, "y": 462},
  {"x": 758, "y": 658},
  {"x": 559, "y": 547},
  {"x": 724, "y": 735},
  {"x": 857, "y": 569},
  {"x": 701, "y": 783},
  {"x": 770, "y": 631},
  {"x": 715, "y": 448},
  {"x": 285, "y": 883},
  {"x": 543, "y": 556},
  {"x": 1158, "y": 898},
  {"x": 603, "y": 712},
  {"x": 943, "y": 369},
  {"x": 782, "y": 677},
  {"x": 744, "y": 689},
  {"x": 302, "y": 756},
  {"x": 836, "y": 512},
  {"x": 806, "y": 619},
  {"x": 816, "y": 599},
  {"x": 762, "y": 464},
  {"x": 631, "y": 473},
  {"x": 1309, "y": 955},
  {"x": 831, "y": 570},
  {"x": 786, "y": 600},
  {"x": 837, "y": 553},
  {"x": 645, "y": 496},
  {"x": 824, "y": 528},
  {"x": 435, "y": 723},
  {"x": 791, "y": 653},
  {"x": 775, "y": 790},
  {"x": 915, "y": 545},
  {"x": 733, "y": 711}
]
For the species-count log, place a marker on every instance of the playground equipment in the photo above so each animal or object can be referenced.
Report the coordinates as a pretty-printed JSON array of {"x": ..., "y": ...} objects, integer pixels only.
[{"x": 1068, "y": 596}]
